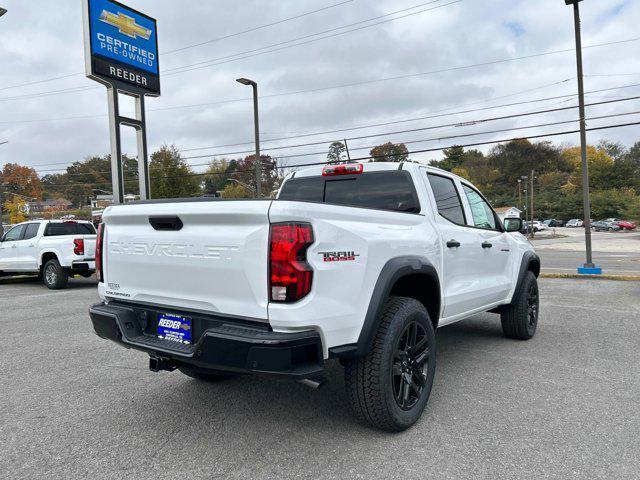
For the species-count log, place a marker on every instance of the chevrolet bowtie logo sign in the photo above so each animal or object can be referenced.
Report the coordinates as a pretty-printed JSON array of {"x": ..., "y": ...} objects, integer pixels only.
[{"x": 125, "y": 25}]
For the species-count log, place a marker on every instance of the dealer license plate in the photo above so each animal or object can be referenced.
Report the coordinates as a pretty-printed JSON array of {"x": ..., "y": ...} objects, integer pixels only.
[{"x": 175, "y": 328}]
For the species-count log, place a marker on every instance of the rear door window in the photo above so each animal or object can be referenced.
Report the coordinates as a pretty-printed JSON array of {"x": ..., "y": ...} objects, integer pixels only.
[
  {"x": 388, "y": 190},
  {"x": 31, "y": 230},
  {"x": 447, "y": 198},
  {"x": 69, "y": 228}
]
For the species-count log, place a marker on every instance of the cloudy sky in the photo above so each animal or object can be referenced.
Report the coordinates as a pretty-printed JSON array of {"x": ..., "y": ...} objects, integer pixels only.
[{"x": 338, "y": 66}]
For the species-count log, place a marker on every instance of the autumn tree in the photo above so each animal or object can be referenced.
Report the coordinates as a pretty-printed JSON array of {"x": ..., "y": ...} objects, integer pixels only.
[
  {"x": 15, "y": 210},
  {"x": 390, "y": 152},
  {"x": 21, "y": 180}
]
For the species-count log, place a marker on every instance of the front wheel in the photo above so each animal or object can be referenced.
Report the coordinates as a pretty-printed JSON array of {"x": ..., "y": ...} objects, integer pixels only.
[
  {"x": 54, "y": 276},
  {"x": 390, "y": 386},
  {"x": 520, "y": 318}
]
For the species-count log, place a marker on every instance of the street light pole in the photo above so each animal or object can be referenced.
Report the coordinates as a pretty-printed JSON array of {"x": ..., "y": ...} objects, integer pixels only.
[
  {"x": 256, "y": 121},
  {"x": 589, "y": 266}
]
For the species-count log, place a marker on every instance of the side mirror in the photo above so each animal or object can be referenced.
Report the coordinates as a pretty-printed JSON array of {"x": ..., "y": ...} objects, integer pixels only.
[{"x": 513, "y": 224}]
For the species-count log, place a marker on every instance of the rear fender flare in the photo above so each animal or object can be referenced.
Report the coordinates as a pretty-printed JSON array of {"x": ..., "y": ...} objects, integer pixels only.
[{"x": 393, "y": 270}]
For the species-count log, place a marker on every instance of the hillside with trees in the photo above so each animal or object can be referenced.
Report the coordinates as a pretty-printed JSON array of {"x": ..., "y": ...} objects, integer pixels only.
[{"x": 614, "y": 177}]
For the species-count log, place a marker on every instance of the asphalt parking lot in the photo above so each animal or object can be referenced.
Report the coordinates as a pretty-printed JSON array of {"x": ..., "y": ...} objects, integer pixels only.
[
  {"x": 618, "y": 253},
  {"x": 564, "y": 405}
]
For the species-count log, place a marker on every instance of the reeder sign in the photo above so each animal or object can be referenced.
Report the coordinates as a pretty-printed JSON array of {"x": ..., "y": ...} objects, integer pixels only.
[{"x": 121, "y": 45}]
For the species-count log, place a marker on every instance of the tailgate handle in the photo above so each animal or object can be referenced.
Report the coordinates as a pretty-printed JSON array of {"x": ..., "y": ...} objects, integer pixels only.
[{"x": 166, "y": 223}]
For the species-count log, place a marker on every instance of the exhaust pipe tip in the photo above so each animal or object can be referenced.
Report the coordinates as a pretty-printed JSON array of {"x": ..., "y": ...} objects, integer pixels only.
[{"x": 313, "y": 383}]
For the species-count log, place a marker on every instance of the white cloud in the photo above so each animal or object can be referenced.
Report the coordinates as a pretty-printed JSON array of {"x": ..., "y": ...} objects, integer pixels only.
[{"x": 44, "y": 41}]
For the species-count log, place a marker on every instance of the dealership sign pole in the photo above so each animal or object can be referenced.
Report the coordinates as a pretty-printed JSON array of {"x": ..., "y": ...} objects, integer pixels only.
[{"x": 121, "y": 52}]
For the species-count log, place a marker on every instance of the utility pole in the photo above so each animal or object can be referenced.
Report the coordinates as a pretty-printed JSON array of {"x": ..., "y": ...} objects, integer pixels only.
[
  {"x": 524, "y": 178},
  {"x": 346, "y": 146},
  {"x": 588, "y": 267},
  {"x": 519, "y": 192},
  {"x": 256, "y": 122},
  {"x": 533, "y": 173}
]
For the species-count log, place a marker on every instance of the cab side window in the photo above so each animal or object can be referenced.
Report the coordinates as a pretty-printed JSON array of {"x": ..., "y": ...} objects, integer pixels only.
[
  {"x": 447, "y": 198},
  {"x": 31, "y": 230},
  {"x": 481, "y": 212},
  {"x": 14, "y": 234}
]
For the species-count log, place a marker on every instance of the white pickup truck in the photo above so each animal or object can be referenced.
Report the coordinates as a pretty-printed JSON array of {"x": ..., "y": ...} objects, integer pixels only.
[
  {"x": 53, "y": 249},
  {"x": 358, "y": 262}
]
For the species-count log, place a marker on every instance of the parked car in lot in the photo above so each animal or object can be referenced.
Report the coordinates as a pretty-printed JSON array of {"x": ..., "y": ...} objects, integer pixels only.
[
  {"x": 574, "y": 223},
  {"x": 538, "y": 226},
  {"x": 625, "y": 224},
  {"x": 603, "y": 226},
  {"x": 553, "y": 223},
  {"x": 357, "y": 262},
  {"x": 53, "y": 249}
]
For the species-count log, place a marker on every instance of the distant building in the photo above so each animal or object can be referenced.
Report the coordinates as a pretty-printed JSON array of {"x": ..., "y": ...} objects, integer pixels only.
[
  {"x": 58, "y": 204},
  {"x": 100, "y": 202},
  {"x": 508, "y": 212}
]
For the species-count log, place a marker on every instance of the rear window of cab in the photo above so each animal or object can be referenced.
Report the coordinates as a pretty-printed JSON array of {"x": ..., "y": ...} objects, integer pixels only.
[
  {"x": 69, "y": 228},
  {"x": 387, "y": 190}
]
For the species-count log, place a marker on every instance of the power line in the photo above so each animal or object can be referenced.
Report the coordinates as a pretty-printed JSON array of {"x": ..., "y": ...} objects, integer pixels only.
[
  {"x": 461, "y": 123},
  {"x": 283, "y": 45},
  {"x": 278, "y": 22},
  {"x": 476, "y": 121},
  {"x": 254, "y": 28},
  {"x": 476, "y": 144},
  {"x": 448, "y": 137},
  {"x": 173, "y": 71},
  {"x": 366, "y": 82}
]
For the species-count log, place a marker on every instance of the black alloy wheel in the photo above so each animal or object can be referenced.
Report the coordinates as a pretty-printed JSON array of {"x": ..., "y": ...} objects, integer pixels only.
[{"x": 410, "y": 364}]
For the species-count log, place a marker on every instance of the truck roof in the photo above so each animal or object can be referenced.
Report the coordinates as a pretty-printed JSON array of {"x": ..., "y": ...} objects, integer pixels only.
[{"x": 372, "y": 167}]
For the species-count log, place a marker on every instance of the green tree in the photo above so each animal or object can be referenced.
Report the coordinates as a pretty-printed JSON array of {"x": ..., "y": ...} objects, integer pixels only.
[
  {"x": 217, "y": 175},
  {"x": 235, "y": 190},
  {"x": 171, "y": 177},
  {"x": 390, "y": 152},
  {"x": 337, "y": 152}
]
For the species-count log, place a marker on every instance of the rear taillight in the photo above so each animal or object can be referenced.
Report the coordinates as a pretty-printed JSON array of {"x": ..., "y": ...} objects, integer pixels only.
[
  {"x": 344, "y": 169},
  {"x": 290, "y": 275},
  {"x": 99, "y": 252},
  {"x": 78, "y": 246}
]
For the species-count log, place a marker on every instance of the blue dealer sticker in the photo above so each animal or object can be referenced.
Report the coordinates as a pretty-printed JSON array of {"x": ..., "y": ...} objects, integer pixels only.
[
  {"x": 121, "y": 34},
  {"x": 175, "y": 328}
]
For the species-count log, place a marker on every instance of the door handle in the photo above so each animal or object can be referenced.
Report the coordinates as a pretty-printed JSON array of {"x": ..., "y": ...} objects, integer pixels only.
[
  {"x": 486, "y": 245},
  {"x": 453, "y": 244}
]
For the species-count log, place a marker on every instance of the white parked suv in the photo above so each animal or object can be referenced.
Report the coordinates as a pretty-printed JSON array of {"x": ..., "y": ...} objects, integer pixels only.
[
  {"x": 54, "y": 249},
  {"x": 359, "y": 262}
]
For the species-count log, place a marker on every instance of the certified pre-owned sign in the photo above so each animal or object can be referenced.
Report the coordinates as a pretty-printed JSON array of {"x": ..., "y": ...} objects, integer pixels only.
[{"x": 122, "y": 45}]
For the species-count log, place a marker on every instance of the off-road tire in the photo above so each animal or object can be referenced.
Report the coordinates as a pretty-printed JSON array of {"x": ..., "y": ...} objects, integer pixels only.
[
  {"x": 54, "y": 276},
  {"x": 203, "y": 374},
  {"x": 517, "y": 320},
  {"x": 369, "y": 380}
]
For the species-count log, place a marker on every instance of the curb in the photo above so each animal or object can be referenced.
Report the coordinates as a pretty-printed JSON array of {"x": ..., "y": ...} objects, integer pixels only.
[{"x": 622, "y": 278}]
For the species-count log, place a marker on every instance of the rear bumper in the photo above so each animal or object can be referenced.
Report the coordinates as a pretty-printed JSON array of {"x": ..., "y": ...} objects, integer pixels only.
[
  {"x": 83, "y": 265},
  {"x": 223, "y": 344}
]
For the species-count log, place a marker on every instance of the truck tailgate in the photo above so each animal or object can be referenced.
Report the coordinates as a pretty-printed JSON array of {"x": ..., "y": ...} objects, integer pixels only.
[
  {"x": 208, "y": 256},
  {"x": 89, "y": 245}
]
